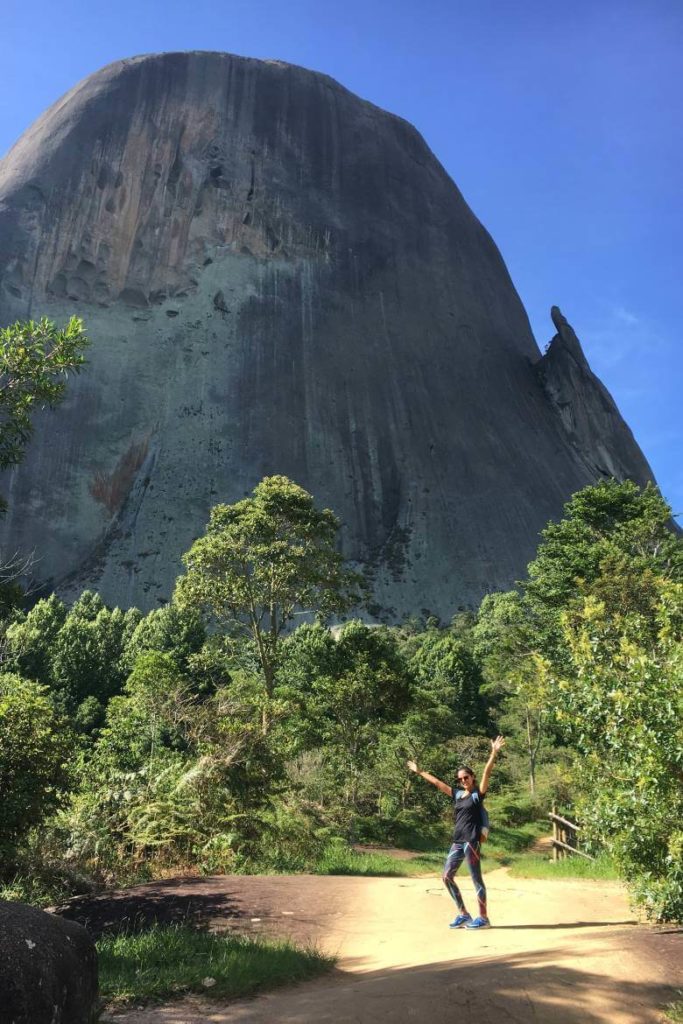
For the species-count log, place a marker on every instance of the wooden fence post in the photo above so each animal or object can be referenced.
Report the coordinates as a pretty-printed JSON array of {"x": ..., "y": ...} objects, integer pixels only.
[{"x": 565, "y": 837}]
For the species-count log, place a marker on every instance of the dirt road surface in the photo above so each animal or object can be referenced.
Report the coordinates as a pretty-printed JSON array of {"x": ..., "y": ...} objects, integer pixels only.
[{"x": 559, "y": 953}]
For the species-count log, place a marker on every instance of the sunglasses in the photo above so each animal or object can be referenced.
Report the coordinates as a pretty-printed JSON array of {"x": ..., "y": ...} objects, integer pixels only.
[{"x": 461, "y": 778}]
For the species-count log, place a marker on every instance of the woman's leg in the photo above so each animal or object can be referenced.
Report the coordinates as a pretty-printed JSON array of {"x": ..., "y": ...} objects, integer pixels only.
[
  {"x": 472, "y": 856},
  {"x": 456, "y": 856}
]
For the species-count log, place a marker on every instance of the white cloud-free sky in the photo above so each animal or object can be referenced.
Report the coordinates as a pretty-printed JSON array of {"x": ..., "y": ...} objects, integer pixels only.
[{"x": 560, "y": 123}]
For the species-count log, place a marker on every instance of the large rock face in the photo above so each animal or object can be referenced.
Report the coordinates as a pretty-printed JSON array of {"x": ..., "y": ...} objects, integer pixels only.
[{"x": 279, "y": 277}]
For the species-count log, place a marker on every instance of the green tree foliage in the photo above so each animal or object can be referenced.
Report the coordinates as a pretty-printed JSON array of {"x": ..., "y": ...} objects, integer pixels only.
[
  {"x": 350, "y": 689},
  {"x": 35, "y": 361},
  {"x": 506, "y": 639},
  {"x": 262, "y": 560},
  {"x": 353, "y": 684},
  {"x": 179, "y": 632},
  {"x": 590, "y": 652},
  {"x": 615, "y": 542},
  {"x": 79, "y": 653},
  {"x": 449, "y": 683},
  {"x": 30, "y": 640},
  {"x": 174, "y": 779},
  {"x": 87, "y": 657},
  {"x": 621, "y": 708},
  {"x": 34, "y": 748},
  {"x": 363, "y": 699},
  {"x": 611, "y": 522}
]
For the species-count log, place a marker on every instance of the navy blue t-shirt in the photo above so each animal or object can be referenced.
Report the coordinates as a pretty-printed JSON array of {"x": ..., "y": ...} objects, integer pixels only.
[{"x": 467, "y": 816}]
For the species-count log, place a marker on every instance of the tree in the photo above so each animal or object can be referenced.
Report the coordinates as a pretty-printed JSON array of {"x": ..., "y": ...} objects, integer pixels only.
[
  {"x": 616, "y": 542},
  {"x": 351, "y": 690},
  {"x": 358, "y": 682},
  {"x": 78, "y": 653},
  {"x": 448, "y": 675},
  {"x": 35, "y": 361},
  {"x": 174, "y": 778},
  {"x": 179, "y": 632},
  {"x": 607, "y": 520},
  {"x": 621, "y": 708},
  {"x": 507, "y": 639},
  {"x": 30, "y": 640},
  {"x": 262, "y": 560},
  {"x": 34, "y": 748}
]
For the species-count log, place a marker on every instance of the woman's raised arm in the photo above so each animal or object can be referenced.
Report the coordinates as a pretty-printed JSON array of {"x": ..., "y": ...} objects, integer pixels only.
[
  {"x": 495, "y": 747},
  {"x": 443, "y": 786}
]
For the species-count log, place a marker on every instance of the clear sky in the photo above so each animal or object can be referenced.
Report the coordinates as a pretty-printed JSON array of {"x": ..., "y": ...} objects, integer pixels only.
[{"x": 560, "y": 122}]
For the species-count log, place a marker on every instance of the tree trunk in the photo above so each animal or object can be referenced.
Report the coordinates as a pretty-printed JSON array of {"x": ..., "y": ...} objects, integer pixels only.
[
  {"x": 269, "y": 680},
  {"x": 532, "y": 755}
]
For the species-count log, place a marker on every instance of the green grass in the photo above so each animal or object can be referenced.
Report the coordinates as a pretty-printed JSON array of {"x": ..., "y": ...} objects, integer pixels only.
[
  {"x": 674, "y": 1011},
  {"x": 508, "y": 847},
  {"x": 43, "y": 886},
  {"x": 342, "y": 860},
  {"x": 24, "y": 889},
  {"x": 508, "y": 841},
  {"x": 163, "y": 962},
  {"x": 534, "y": 865}
]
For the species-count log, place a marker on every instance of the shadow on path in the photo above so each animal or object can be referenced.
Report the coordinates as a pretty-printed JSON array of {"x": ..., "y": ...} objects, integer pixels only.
[
  {"x": 565, "y": 925},
  {"x": 172, "y": 902},
  {"x": 514, "y": 989},
  {"x": 297, "y": 907}
]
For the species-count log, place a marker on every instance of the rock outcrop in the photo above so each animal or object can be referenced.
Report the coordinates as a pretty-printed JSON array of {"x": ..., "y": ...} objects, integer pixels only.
[
  {"x": 279, "y": 277},
  {"x": 587, "y": 410},
  {"x": 48, "y": 968}
]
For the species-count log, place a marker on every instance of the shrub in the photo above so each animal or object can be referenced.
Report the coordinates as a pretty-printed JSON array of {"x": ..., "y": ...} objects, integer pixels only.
[{"x": 34, "y": 750}]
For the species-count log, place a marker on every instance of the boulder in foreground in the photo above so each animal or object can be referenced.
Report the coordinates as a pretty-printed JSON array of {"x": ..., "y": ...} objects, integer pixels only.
[{"x": 48, "y": 968}]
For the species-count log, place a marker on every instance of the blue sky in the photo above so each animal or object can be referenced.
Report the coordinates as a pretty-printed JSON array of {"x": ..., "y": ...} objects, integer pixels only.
[{"x": 560, "y": 122}]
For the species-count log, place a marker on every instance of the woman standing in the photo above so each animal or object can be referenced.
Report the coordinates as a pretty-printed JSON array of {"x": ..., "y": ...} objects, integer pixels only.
[{"x": 468, "y": 810}]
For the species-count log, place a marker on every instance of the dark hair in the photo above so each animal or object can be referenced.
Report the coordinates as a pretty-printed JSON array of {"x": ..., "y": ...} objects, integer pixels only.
[{"x": 463, "y": 768}]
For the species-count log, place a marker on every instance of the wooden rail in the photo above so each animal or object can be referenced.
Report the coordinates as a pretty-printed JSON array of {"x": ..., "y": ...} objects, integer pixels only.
[
  {"x": 570, "y": 849},
  {"x": 565, "y": 821},
  {"x": 565, "y": 837}
]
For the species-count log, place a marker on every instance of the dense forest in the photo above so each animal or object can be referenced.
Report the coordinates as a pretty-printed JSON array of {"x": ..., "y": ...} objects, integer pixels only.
[{"x": 257, "y": 719}]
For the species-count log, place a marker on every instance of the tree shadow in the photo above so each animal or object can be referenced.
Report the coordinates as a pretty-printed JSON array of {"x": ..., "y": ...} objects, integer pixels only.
[
  {"x": 631, "y": 922},
  {"x": 519, "y": 988},
  {"x": 176, "y": 901}
]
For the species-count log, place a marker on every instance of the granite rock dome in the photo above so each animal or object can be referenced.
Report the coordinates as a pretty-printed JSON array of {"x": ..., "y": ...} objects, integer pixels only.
[{"x": 279, "y": 277}]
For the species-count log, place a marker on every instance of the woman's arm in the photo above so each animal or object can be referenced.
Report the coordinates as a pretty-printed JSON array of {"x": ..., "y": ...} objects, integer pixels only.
[
  {"x": 495, "y": 747},
  {"x": 430, "y": 778}
]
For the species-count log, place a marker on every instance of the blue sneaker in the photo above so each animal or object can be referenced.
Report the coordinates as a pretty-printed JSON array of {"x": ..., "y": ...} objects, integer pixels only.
[
  {"x": 460, "y": 920},
  {"x": 479, "y": 922}
]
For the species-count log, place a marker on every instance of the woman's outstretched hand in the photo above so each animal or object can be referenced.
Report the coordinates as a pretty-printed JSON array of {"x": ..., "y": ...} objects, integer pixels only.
[
  {"x": 413, "y": 767},
  {"x": 497, "y": 744}
]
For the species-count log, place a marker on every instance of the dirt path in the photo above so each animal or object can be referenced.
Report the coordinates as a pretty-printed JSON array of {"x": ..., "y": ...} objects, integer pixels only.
[{"x": 560, "y": 952}]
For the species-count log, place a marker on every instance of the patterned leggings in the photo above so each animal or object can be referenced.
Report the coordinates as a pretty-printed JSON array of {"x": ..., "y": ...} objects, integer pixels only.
[{"x": 456, "y": 855}]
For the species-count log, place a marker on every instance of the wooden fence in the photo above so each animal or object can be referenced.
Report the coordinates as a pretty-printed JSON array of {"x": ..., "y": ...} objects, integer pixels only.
[{"x": 566, "y": 838}]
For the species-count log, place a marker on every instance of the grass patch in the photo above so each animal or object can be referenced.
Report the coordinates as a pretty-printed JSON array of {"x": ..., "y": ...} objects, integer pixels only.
[
  {"x": 25, "y": 889},
  {"x": 43, "y": 885},
  {"x": 163, "y": 962},
  {"x": 339, "y": 859},
  {"x": 534, "y": 865},
  {"x": 674, "y": 1011},
  {"x": 508, "y": 841},
  {"x": 508, "y": 847}
]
